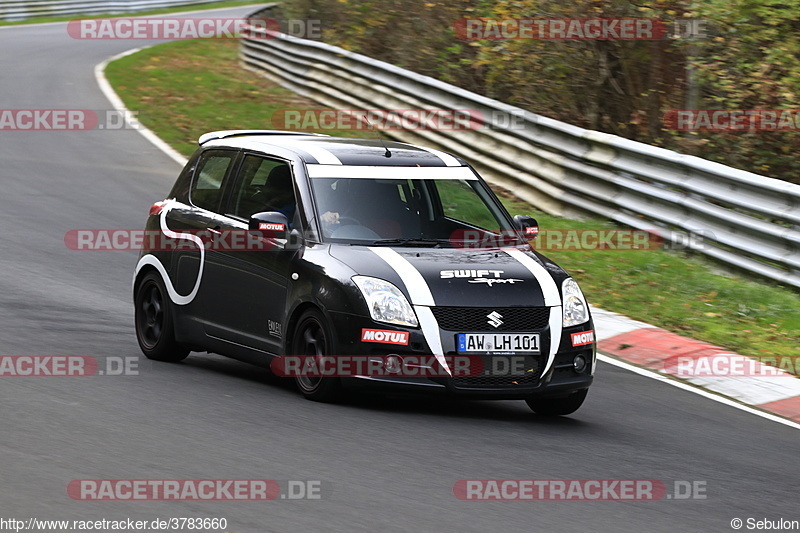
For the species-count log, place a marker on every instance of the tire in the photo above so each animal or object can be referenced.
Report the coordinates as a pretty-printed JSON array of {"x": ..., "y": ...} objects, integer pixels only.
[
  {"x": 312, "y": 336},
  {"x": 557, "y": 406},
  {"x": 155, "y": 329}
]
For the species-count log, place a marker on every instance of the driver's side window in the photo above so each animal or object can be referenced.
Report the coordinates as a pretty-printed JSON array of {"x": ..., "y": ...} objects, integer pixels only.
[
  {"x": 460, "y": 203},
  {"x": 263, "y": 185}
]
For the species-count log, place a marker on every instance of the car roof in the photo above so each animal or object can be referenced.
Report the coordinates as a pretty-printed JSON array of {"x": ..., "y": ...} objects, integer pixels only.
[{"x": 327, "y": 150}]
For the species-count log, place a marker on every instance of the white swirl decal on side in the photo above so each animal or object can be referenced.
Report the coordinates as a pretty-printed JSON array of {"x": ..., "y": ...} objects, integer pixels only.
[
  {"x": 152, "y": 260},
  {"x": 552, "y": 296}
]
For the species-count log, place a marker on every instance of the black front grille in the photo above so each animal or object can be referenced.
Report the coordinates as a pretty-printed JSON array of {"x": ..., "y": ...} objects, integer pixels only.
[
  {"x": 497, "y": 372},
  {"x": 476, "y": 318}
]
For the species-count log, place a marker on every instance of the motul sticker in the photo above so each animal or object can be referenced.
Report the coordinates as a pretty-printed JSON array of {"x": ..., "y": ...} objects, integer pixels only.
[
  {"x": 384, "y": 336},
  {"x": 270, "y": 226},
  {"x": 584, "y": 337},
  {"x": 532, "y": 230}
]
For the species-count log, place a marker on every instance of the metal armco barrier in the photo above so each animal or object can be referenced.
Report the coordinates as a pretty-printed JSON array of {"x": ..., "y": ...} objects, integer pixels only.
[
  {"x": 742, "y": 219},
  {"x": 13, "y": 10}
]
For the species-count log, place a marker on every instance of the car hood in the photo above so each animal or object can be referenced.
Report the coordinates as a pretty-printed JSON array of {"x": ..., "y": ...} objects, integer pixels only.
[{"x": 460, "y": 278}]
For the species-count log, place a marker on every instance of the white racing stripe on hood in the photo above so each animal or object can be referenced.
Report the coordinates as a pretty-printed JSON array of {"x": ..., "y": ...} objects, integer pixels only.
[
  {"x": 418, "y": 289},
  {"x": 152, "y": 260},
  {"x": 556, "y": 321},
  {"x": 552, "y": 299},
  {"x": 552, "y": 296},
  {"x": 430, "y": 328},
  {"x": 421, "y": 299}
]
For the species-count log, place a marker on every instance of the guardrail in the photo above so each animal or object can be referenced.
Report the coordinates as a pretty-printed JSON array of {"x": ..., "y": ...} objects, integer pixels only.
[
  {"x": 745, "y": 220},
  {"x": 13, "y": 11}
]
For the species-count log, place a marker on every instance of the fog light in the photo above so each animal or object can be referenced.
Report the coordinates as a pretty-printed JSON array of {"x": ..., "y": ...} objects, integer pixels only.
[
  {"x": 393, "y": 364},
  {"x": 579, "y": 364}
]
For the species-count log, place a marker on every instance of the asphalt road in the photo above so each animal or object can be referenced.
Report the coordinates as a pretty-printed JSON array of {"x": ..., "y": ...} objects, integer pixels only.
[{"x": 387, "y": 464}]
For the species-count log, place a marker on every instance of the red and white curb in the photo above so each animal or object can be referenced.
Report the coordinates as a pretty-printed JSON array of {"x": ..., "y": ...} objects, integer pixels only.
[{"x": 765, "y": 388}]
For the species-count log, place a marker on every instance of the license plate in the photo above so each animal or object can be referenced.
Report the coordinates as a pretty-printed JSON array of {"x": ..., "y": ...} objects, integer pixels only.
[{"x": 498, "y": 342}]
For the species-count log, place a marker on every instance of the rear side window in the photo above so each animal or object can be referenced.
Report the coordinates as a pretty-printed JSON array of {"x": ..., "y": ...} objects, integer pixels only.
[
  {"x": 263, "y": 185},
  {"x": 207, "y": 185}
]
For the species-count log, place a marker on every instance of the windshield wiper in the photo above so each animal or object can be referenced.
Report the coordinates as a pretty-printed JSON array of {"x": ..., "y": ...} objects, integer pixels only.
[{"x": 432, "y": 243}]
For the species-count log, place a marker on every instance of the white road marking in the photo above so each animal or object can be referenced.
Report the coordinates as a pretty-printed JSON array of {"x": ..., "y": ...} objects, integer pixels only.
[
  {"x": 613, "y": 323},
  {"x": 116, "y": 102},
  {"x": 704, "y": 393}
]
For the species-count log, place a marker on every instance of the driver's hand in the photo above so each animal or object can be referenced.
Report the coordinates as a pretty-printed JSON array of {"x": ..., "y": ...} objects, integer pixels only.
[{"x": 330, "y": 218}]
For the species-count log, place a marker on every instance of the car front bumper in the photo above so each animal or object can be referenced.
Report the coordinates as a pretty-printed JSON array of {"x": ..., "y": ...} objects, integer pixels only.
[{"x": 560, "y": 379}]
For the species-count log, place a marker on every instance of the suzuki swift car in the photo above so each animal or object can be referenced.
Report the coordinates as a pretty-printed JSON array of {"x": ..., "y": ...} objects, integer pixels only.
[{"x": 352, "y": 263}]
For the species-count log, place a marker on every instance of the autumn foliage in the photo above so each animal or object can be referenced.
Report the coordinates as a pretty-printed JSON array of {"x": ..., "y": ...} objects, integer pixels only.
[{"x": 747, "y": 59}]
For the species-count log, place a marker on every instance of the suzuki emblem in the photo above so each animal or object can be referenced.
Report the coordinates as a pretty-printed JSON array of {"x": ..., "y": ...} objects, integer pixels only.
[{"x": 495, "y": 319}]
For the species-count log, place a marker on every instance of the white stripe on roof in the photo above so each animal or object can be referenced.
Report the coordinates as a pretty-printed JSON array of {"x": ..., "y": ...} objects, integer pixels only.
[
  {"x": 323, "y": 156},
  {"x": 448, "y": 159},
  {"x": 381, "y": 172}
]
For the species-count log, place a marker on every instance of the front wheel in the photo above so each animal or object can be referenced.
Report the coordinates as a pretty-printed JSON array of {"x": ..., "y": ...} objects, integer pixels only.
[
  {"x": 155, "y": 329},
  {"x": 557, "y": 406},
  {"x": 312, "y": 337}
]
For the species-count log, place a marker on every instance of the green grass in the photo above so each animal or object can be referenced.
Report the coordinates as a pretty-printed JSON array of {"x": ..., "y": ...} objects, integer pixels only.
[
  {"x": 164, "y": 11},
  {"x": 679, "y": 292},
  {"x": 187, "y": 88}
]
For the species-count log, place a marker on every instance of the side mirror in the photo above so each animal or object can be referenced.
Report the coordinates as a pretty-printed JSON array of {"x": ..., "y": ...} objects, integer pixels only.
[
  {"x": 527, "y": 225},
  {"x": 271, "y": 224}
]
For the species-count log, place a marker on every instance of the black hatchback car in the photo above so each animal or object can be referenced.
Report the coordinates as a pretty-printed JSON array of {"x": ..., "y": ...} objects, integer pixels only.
[{"x": 351, "y": 263}]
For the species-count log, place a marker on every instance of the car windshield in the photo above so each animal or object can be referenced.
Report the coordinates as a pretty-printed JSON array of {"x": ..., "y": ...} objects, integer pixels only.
[{"x": 408, "y": 206}]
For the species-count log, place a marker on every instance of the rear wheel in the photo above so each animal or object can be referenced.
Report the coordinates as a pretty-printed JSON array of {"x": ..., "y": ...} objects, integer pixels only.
[
  {"x": 155, "y": 329},
  {"x": 557, "y": 406},
  {"x": 312, "y": 337}
]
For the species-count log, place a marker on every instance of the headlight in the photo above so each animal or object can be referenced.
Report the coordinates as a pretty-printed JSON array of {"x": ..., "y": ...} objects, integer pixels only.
[
  {"x": 385, "y": 302},
  {"x": 575, "y": 309}
]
